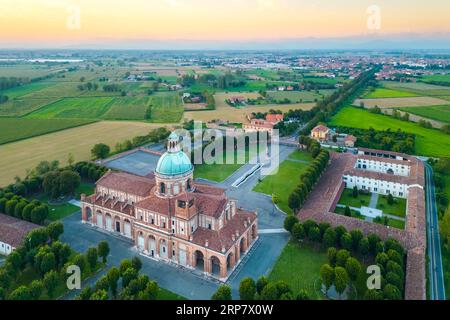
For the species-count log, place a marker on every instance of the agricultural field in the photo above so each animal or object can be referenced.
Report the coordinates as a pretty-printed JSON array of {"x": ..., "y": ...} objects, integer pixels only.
[
  {"x": 14, "y": 129},
  {"x": 298, "y": 96},
  {"x": 240, "y": 115},
  {"x": 20, "y": 91},
  {"x": 429, "y": 142},
  {"x": 438, "y": 113},
  {"x": 74, "y": 108},
  {"x": 388, "y": 93},
  {"x": 166, "y": 108},
  {"x": 401, "y": 102},
  {"x": 18, "y": 108},
  {"x": 17, "y": 157},
  {"x": 437, "y": 77},
  {"x": 127, "y": 108},
  {"x": 26, "y": 71},
  {"x": 420, "y": 88}
]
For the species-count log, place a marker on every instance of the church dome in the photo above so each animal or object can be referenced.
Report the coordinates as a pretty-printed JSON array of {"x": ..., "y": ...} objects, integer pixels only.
[
  {"x": 174, "y": 161},
  {"x": 173, "y": 164}
]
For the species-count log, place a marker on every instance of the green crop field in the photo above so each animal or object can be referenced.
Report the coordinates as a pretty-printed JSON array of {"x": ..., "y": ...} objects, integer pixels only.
[
  {"x": 25, "y": 89},
  {"x": 298, "y": 96},
  {"x": 420, "y": 88},
  {"x": 439, "y": 113},
  {"x": 74, "y": 108},
  {"x": 128, "y": 108},
  {"x": 429, "y": 142},
  {"x": 17, "y": 129},
  {"x": 166, "y": 108},
  {"x": 437, "y": 77},
  {"x": 389, "y": 93},
  {"x": 17, "y": 108}
]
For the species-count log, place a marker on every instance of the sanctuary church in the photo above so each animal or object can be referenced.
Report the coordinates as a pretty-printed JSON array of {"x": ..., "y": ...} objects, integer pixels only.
[{"x": 172, "y": 218}]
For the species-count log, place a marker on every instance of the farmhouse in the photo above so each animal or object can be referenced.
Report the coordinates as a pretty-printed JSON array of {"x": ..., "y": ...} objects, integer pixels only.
[
  {"x": 325, "y": 135},
  {"x": 322, "y": 133},
  {"x": 171, "y": 218},
  {"x": 12, "y": 233},
  {"x": 263, "y": 125}
]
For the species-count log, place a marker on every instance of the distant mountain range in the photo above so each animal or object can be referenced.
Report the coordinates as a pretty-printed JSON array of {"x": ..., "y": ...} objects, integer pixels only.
[{"x": 404, "y": 41}]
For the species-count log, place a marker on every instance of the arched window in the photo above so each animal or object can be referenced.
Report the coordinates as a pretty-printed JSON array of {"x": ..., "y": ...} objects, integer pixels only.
[
  {"x": 188, "y": 184},
  {"x": 162, "y": 188}
]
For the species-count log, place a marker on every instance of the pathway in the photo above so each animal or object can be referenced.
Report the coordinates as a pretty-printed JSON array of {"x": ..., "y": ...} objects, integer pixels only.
[{"x": 373, "y": 200}]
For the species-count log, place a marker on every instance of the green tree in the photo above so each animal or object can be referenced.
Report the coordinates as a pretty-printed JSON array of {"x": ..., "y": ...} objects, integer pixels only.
[
  {"x": 390, "y": 199},
  {"x": 289, "y": 222},
  {"x": 100, "y": 151},
  {"x": 103, "y": 250},
  {"x": 36, "y": 289},
  {"x": 92, "y": 257},
  {"x": 347, "y": 211},
  {"x": 353, "y": 268},
  {"x": 102, "y": 284},
  {"x": 129, "y": 274},
  {"x": 21, "y": 293},
  {"x": 136, "y": 263},
  {"x": 270, "y": 292},
  {"x": 357, "y": 235},
  {"x": 342, "y": 257},
  {"x": 341, "y": 279},
  {"x": 113, "y": 277},
  {"x": 51, "y": 282},
  {"x": 55, "y": 230},
  {"x": 374, "y": 295},
  {"x": 391, "y": 292},
  {"x": 346, "y": 241},
  {"x": 331, "y": 254},
  {"x": 355, "y": 192},
  {"x": 261, "y": 283},
  {"x": 68, "y": 182},
  {"x": 329, "y": 238},
  {"x": 364, "y": 247},
  {"x": 327, "y": 276},
  {"x": 247, "y": 289},
  {"x": 222, "y": 293},
  {"x": 99, "y": 295},
  {"x": 298, "y": 232}
]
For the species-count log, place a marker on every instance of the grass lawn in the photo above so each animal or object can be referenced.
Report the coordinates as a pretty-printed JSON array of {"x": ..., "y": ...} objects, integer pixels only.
[
  {"x": 397, "y": 209},
  {"x": 215, "y": 172},
  {"x": 299, "y": 266},
  {"x": 14, "y": 129},
  {"x": 298, "y": 96},
  {"x": 429, "y": 142},
  {"x": 439, "y": 113},
  {"x": 164, "y": 294},
  {"x": 74, "y": 108},
  {"x": 437, "y": 77},
  {"x": 388, "y": 93},
  {"x": 300, "y": 156},
  {"x": 219, "y": 172},
  {"x": 396, "y": 224},
  {"x": 347, "y": 199},
  {"x": 282, "y": 183}
]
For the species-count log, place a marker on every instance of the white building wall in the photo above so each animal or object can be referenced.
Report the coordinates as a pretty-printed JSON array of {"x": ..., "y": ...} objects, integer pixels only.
[
  {"x": 383, "y": 167},
  {"x": 377, "y": 186},
  {"x": 5, "y": 249}
]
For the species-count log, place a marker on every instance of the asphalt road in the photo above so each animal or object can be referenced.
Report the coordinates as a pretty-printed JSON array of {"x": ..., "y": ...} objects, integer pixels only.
[{"x": 436, "y": 277}]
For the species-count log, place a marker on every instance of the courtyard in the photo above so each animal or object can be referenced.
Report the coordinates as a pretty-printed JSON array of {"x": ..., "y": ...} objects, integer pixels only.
[{"x": 392, "y": 215}]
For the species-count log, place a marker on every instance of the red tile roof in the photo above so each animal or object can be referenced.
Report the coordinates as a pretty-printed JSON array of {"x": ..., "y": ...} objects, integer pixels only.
[
  {"x": 223, "y": 238},
  {"x": 126, "y": 182},
  {"x": 13, "y": 230},
  {"x": 320, "y": 128}
]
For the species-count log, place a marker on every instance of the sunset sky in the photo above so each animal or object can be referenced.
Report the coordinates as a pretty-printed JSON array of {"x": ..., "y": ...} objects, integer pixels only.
[{"x": 26, "y": 21}]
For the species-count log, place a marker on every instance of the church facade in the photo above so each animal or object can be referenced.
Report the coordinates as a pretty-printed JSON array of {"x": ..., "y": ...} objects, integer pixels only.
[{"x": 170, "y": 217}]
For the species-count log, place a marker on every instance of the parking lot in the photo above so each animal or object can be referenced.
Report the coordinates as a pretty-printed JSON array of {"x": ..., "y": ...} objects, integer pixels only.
[{"x": 140, "y": 163}]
